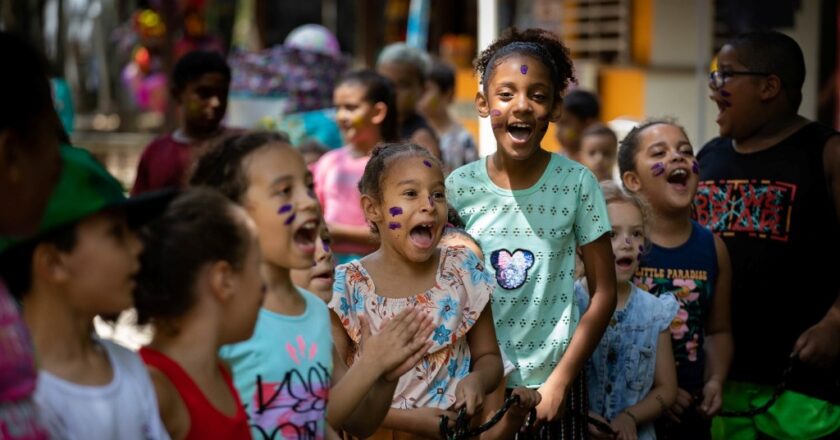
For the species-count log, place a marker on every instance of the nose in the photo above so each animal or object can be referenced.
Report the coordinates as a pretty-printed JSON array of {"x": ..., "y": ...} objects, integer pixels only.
[
  {"x": 522, "y": 103},
  {"x": 135, "y": 246},
  {"x": 214, "y": 101},
  {"x": 429, "y": 205}
]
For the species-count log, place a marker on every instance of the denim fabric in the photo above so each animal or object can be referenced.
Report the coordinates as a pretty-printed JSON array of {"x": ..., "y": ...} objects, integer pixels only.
[{"x": 620, "y": 371}]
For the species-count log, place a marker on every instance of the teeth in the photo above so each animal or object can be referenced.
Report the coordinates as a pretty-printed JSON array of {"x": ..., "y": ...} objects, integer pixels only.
[
  {"x": 308, "y": 225},
  {"x": 679, "y": 172},
  {"x": 518, "y": 125}
]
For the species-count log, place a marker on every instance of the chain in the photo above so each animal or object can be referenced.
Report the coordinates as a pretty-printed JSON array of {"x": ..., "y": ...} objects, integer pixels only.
[{"x": 462, "y": 430}]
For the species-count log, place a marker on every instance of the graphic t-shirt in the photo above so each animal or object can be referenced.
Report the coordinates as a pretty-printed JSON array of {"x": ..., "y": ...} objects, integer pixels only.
[
  {"x": 529, "y": 238},
  {"x": 283, "y": 373}
]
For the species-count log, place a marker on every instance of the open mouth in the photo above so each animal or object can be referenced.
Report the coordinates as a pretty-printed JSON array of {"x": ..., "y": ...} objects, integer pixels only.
[
  {"x": 304, "y": 237},
  {"x": 678, "y": 177},
  {"x": 422, "y": 236},
  {"x": 624, "y": 262},
  {"x": 520, "y": 132}
]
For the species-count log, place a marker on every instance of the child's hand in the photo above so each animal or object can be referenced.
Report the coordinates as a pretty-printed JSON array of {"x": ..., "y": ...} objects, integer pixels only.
[
  {"x": 426, "y": 421},
  {"x": 400, "y": 344},
  {"x": 712, "y": 398},
  {"x": 469, "y": 393},
  {"x": 596, "y": 433},
  {"x": 624, "y": 427},
  {"x": 552, "y": 405},
  {"x": 680, "y": 406},
  {"x": 528, "y": 398}
]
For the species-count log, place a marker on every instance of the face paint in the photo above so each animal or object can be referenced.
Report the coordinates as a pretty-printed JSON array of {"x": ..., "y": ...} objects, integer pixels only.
[
  {"x": 289, "y": 220},
  {"x": 627, "y": 240},
  {"x": 356, "y": 123},
  {"x": 394, "y": 225},
  {"x": 658, "y": 169},
  {"x": 395, "y": 211},
  {"x": 524, "y": 69},
  {"x": 641, "y": 249},
  {"x": 496, "y": 126},
  {"x": 427, "y": 163},
  {"x": 695, "y": 167},
  {"x": 495, "y": 112},
  {"x": 724, "y": 93},
  {"x": 431, "y": 202},
  {"x": 284, "y": 209},
  {"x": 326, "y": 247}
]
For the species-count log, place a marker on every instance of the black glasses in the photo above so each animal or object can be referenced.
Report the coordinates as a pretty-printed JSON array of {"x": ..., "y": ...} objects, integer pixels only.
[{"x": 717, "y": 78}]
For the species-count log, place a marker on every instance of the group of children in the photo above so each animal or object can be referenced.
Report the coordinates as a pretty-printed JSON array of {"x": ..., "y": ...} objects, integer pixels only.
[{"x": 466, "y": 294}]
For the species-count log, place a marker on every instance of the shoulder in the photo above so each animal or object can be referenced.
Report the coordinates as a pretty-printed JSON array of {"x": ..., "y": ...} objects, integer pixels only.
[
  {"x": 714, "y": 146},
  {"x": 464, "y": 173},
  {"x": 663, "y": 307},
  {"x": 123, "y": 357}
]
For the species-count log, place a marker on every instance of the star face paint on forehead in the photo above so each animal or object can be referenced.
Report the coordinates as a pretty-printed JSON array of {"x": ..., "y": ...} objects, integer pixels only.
[
  {"x": 427, "y": 163},
  {"x": 395, "y": 211},
  {"x": 524, "y": 69},
  {"x": 658, "y": 169}
]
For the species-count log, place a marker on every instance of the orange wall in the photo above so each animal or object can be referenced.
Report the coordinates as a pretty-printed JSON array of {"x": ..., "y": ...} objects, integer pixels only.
[{"x": 622, "y": 92}]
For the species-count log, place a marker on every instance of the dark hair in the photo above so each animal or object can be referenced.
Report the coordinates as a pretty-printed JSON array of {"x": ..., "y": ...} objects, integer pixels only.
[
  {"x": 26, "y": 92},
  {"x": 629, "y": 146},
  {"x": 194, "y": 64},
  {"x": 312, "y": 146},
  {"x": 538, "y": 43},
  {"x": 582, "y": 104},
  {"x": 16, "y": 262},
  {"x": 176, "y": 248},
  {"x": 377, "y": 89},
  {"x": 776, "y": 53},
  {"x": 599, "y": 129},
  {"x": 442, "y": 74},
  {"x": 221, "y": 167},
  {"x": 453, "y": 218},
  {"x": 380, "y": 158}
]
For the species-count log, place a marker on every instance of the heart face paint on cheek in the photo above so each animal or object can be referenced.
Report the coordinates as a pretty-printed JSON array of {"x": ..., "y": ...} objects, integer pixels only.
[
  {"x": 290, "y": 220},
  {"x": 658, "y": 169},
  {"x": 394, "y": 225},
  {"x": 695, "y": 167},
  {"x": 495, "y": 112},
  {"x": 524, "y": 69},
  {"x": 395, "y": 211},
  {"x": 427, "y": 163}
]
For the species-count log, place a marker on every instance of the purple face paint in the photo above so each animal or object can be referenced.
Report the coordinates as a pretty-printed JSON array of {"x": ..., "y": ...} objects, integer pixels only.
[
  {"x": 284, "y": 209},
  {"x": 394, "y": 225},
  {"x": 724, "y": 93},
  {"x": 497, "y": 125},
  {"x": 427, "y": 163},
  {"x": 326, "y": 247},
  {"x": 495, "y": 112},
  {"x": 695, "y": 167},
  {"x": 395, "y": 211},
  {"x": 658, "y": 169},
  {"x": 431, "y": 202},
  {"x": 641, "y": 249},
  {"x": 289, "y": 220},
  {"x": 524, "y": 69}
]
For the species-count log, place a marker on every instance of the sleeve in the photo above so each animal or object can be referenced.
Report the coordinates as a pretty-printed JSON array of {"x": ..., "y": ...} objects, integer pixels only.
[
  {"x": 347, "y": 301},
  {"x": 451, "y": 193},
  {"x": 141, "y": 181},
  {"x": 478, "y": 286},
  {"x": 667, "y": 308},
  {"x": 591, "y": 217}
]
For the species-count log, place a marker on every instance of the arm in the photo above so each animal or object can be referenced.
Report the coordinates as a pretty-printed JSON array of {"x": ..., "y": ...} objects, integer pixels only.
[
  {"x": 819, "y": 345},
  {"x": 486, "y": 365},
  {"x": 516, "y": 415},
  {"x": 661, "y": 396},
  {"x": 362, "y": 394},
  {"x": 173, "y": 413},
  {"x": 600, "y": 277},
  {"x": 718, "y": 345},
  {"x": 427, "y": 140}
]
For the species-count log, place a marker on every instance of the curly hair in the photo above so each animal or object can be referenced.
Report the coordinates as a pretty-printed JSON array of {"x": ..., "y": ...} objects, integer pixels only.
[
  {"x": 537, "y": 43},
  {"x": 221, "y": 167}
]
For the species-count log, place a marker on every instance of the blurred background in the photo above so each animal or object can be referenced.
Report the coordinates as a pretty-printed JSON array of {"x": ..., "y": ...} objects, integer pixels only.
[{"x": 110, "y": 58}]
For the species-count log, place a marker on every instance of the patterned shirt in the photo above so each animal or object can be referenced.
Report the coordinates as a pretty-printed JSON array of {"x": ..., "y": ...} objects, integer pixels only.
[{"x": 529, "y": 238}]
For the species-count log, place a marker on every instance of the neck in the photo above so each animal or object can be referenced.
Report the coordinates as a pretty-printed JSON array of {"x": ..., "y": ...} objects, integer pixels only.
[
  {"x": 670, "y": 229},
  {"x": 192, "y": 340},
  {"x": 196, "y": 134},
  {"x": 60, "y": 334},
  {"x": 517, "y": 174},
  {"x": 398, "y": 266},
  {"x": 281, "y": 294},
  {"x": 365, "y": 145},
  {"x": 771, "y": 132},
  {"x": 622, "y": 293}
]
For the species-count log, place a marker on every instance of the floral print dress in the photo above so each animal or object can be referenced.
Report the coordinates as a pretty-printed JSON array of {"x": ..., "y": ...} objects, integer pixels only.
[{"x": 461, "y": 291}]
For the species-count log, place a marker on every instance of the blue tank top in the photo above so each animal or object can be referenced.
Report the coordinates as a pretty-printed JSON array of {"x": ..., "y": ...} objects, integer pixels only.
[{"x": 689, "y": 271}]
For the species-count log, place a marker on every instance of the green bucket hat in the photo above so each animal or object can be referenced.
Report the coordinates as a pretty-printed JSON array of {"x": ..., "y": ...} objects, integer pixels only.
[{"x": 84, "y": 188}]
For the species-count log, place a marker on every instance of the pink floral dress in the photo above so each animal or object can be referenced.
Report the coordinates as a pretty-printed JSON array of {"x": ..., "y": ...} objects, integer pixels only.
[{"x": 461, "y": 292}]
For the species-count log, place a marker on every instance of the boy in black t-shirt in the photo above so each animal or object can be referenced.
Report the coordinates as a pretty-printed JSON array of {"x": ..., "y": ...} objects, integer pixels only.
[{"x": 770, "y": 186}]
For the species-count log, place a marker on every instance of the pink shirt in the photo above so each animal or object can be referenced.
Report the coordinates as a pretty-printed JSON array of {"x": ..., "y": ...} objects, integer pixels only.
[{"x": 337, "y": 176}]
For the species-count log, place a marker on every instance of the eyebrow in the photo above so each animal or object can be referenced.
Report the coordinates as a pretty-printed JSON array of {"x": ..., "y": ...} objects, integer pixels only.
[
  {"x": 664, "y": 144},
  {"x": 281, "y": 179},
  {"x": 414, "y": 181},
  {"x": 513, "y": 85}
]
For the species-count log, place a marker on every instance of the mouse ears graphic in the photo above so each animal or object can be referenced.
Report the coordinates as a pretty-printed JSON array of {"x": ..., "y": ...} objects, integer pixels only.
[{"x": 511, "y": 269}]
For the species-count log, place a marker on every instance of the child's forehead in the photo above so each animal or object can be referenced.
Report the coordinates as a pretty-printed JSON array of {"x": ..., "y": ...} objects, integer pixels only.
[
  {"x": 409, "y": 164},
  {"x": 520, "y": 66},
  {"x": 272, "y": 159}
]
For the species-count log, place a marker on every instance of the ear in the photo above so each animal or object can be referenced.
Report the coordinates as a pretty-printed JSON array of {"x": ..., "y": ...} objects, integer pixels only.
[
  {"x": 371, "y": 208},
  {"x": 771, "y": 86},
  {"x": 48, "y": 264},
  {"x": 380, "y": 110},
  {"x": 222, "y": 281},
  {"x": 482, "y": 105},
  {"x": 631, "y": 181}
]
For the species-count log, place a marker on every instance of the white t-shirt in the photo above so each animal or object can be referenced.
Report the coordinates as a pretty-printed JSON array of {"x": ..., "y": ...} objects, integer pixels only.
[{"x": 125, "y": 409}]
